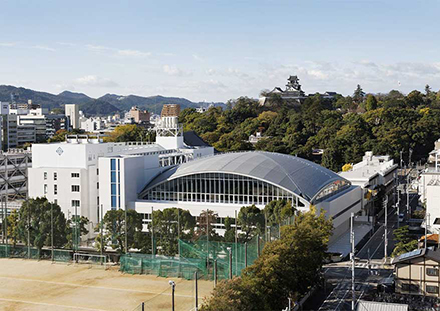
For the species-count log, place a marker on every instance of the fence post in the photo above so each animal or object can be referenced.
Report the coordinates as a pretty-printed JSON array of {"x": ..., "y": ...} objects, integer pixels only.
[
  {"x": 215, "y": 273},
  {"x": 258, "y": 245},
  {"x": 245, "y": 254}
]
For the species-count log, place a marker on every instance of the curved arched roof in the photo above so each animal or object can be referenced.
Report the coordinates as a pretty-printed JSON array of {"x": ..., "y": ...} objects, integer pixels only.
[{"x": 294, "y": 174}]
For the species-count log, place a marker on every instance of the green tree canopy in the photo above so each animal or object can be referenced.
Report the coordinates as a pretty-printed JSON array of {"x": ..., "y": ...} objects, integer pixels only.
[
  {"x": 35, "y": 216},
  {"x": 287, "y": 268}
]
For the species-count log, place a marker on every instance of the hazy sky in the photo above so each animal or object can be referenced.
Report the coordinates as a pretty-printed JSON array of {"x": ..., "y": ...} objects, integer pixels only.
[{"x": 217, "y": 50}]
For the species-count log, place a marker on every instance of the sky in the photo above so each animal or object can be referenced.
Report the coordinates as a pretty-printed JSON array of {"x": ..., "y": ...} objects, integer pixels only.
[{"x": 216, "y": 50}]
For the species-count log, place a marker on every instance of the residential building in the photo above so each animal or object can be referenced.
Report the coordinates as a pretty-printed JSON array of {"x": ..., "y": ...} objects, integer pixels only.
[
  {"x": 56, "y": 122},
  {"x": 39, "y": 121},
  {"x": 92, "y": 125},
  {"x": 372, "y": 174},
  {"x": 417, "y": 272},
  {"x": 26, "y": 134},
  {"x": 72, "y": 112},
  {"x": 139, "y": 116}
]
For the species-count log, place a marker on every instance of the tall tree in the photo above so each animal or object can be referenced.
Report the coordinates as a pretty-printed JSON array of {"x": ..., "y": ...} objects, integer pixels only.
[
  {"x": 251, "y": 222},
  {"x": 115, "y": 230},
  {"x": 35, "y": 216},
  {"x": 168, "y": 224},
  {"x": 287, "y": 268},
  {"x": 359, "y": 94},
  {"x": 371, "y": 102}
]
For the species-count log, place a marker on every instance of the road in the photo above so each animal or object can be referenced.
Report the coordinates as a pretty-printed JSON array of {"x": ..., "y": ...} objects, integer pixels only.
[
  {"x": 339, "y": 275},
  {"x": 369, "y": 270}
]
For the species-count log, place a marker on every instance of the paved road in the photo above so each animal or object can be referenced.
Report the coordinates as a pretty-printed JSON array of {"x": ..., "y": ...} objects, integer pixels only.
[{"x": 339, "y": 275}]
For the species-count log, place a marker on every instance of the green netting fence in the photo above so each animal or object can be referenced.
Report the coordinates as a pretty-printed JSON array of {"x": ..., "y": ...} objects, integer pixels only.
[
  {"x": 24, "y": 252},
  {"x": 211, "y": 259}
]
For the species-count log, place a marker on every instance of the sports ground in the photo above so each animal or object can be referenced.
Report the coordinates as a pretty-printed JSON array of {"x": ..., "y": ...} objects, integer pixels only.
[{"x": 41, "y": 285}]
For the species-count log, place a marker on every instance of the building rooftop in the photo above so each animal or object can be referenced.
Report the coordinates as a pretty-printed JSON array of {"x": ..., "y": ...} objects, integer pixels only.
[
  {"x": 364, "y": 305},
  {"x": 369, "y": 167},
  {"x": 297, "y": 175}
]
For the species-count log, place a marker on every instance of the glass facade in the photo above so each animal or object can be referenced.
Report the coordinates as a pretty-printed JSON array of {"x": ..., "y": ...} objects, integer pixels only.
[
  {"x": 219, "y": 188},
  {"x": 115, "y": 183},
  {"x": 331, "y": 189}
]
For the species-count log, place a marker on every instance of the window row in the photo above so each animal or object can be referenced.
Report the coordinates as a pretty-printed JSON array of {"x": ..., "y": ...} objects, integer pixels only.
[
  {"x": 219, "y": 183},
  {"x": 55, "y": 175},
  {"x": 75, "y": 188},
  {"x": 214, "y": 198}
]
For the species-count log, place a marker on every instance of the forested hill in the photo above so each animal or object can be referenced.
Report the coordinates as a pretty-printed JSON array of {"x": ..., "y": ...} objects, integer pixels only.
[
  {"x": 345, "y": 127},
  {"x": 107, "y": 104}
]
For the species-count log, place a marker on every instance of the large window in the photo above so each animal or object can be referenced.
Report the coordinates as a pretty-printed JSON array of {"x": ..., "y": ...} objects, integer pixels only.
[
  {"x": 432, "y": 271},
  {"x": 218, "y": 188},
  {"x": 75, "y": 188},
  {"x": 432, "y": 289}
]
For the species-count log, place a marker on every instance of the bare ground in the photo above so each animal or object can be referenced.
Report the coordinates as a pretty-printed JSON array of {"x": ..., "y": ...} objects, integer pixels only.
[{"x": 41, "y": 285}]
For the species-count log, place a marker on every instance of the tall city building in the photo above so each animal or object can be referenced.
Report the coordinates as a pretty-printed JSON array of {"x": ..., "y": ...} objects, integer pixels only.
[{"x": 72, "y": 111}]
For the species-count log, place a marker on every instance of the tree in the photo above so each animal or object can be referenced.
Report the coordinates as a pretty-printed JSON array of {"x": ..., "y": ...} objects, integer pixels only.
[
  {"x": 371, "y": 102},
  {"x": 60, "y": 135},
  {"x": 166, "y": 226},
  {"x": 126, "y": 133},
  {"x": 287, "y": 268},
  {"x": 231, "y": 295},
  {"x": 206, "y": 219},
  {"x": 12, "y": 221},
  {"x": 115, "y": 230},
  {"x": 76, "y": 227},
  {"x": 428, "y": 90},
  {"x": 229, "y": 231},
  {"x": 358, "y": 95},
  {"x": 405, "y": 243},
  {"x": 277, "y": 211},
  {"x": 35, "y": 216},
  {"x": 251, "y": 222}
]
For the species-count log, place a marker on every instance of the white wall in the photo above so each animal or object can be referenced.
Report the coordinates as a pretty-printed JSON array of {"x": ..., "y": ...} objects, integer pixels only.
[{"x": 433, "y": 205}]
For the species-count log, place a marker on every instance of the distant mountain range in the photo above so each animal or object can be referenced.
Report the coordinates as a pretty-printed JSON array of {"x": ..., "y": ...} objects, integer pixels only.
[{"x": 104, "y": 105}]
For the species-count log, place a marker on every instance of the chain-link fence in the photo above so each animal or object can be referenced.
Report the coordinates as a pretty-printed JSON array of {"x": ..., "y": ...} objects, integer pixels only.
[{"x": 210, "y": 259}]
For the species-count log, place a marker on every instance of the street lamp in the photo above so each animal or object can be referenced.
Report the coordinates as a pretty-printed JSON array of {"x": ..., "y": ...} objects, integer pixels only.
[{"x": 173, "y": 286}]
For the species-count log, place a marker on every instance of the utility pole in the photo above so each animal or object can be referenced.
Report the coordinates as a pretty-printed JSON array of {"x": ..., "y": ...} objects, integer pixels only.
[
  {"x": 236, "y": 241},
  {"x": 385, "y": 203},
  {"x": 152, "y": 232},
  {"x": 6, "y": 219},
  {"x": 207, "y": 239},
  {"x": 51, "y": 229},
  {"x": 353, "y": 294},
  {"x": 407, "y": 196},
  {"x": 409, "y": 159},
  {"x": 126, "y": 229},
  {"x": 401, "y": 158},
  {"x": 102, "y": 230},
  {"x": 398, "y": 208}
]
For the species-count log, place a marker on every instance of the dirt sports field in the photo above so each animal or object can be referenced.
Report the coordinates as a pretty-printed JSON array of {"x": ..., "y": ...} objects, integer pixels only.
[{"x": 33, "y": 285}]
